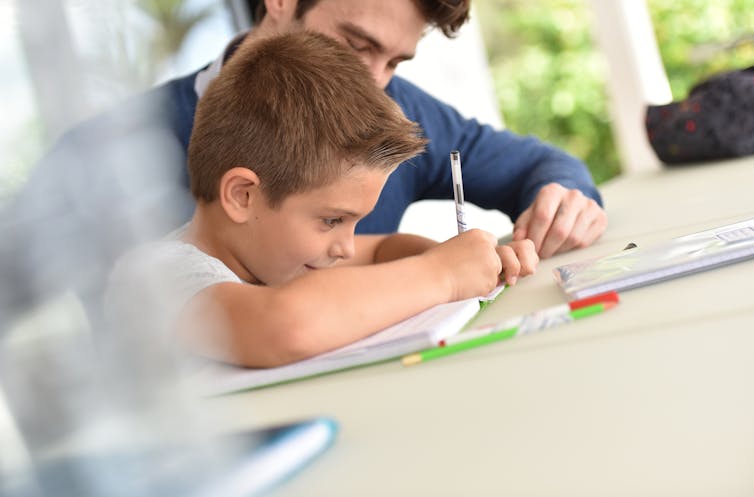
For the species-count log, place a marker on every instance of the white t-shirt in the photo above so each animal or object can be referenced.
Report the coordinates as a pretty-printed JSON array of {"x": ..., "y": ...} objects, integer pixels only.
[{"x": 150, "y": 284}]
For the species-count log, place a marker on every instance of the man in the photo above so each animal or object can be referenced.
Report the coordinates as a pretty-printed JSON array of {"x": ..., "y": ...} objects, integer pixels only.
[
  {"x": 132, "y": 159},
  {"x": 548, "y": 193}
]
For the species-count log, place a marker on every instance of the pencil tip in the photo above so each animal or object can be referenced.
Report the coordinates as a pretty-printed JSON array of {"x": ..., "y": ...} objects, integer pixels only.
[{"x": 412, "y": 359}]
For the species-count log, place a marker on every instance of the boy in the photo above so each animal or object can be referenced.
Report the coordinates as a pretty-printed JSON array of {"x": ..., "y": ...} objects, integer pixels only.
[
  {"x": 291, "y": 148},
  {"x": 76, "y": 197}
]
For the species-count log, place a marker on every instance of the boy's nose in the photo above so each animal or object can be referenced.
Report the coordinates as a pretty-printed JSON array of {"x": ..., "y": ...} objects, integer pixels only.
[{"x": 343, "y": 248}]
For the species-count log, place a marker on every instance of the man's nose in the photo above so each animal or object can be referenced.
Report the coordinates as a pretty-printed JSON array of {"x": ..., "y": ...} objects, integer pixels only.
[{"x": 381, "y": 71}]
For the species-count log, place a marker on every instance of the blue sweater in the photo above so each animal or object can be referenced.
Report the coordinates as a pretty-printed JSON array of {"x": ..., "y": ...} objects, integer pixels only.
[{"x": 501, "y": 170}]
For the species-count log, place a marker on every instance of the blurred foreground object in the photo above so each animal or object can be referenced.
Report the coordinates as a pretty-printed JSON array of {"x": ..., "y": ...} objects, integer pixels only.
[
  {"x": 243, "y": 464},
  {"x": 85, "y": 411}
]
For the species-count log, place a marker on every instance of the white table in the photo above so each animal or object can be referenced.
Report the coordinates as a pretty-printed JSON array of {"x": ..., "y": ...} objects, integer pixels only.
[{"x": 655, "y": 397}]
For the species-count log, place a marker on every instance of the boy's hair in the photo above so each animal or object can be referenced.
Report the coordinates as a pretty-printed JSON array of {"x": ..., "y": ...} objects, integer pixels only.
[
  {"x": 297, "y": 109},
  {"x": 446, "y": 15}
]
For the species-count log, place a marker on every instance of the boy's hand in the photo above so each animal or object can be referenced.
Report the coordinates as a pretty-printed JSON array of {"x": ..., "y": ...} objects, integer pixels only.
[
  {"x": 470, "y": 262},
  {"x": 519, "y": 258}
]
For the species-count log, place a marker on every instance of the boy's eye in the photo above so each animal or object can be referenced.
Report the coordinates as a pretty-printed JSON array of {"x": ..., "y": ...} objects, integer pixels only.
[{"x": 331, "y": 222}]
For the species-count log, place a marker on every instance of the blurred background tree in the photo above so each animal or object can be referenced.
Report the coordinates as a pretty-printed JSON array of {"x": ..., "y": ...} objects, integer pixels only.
[
  {"x": 139, "y": 48},
  {"x": 112, "y": 49},
  {"x": 550, "y": 78},
  {"x": 174, "y": 20},
  {"x": 698, "y": 38}
]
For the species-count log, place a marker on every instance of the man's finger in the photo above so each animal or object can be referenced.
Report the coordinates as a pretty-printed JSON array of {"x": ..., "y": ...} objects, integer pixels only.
[
  {"x": 596, "y": 228},
  {"x": 542, "y": 213},
  {"x": 563, "y": 224},
  {"x": 587, "y": 228},
  {"x": 578, "y": 234}
]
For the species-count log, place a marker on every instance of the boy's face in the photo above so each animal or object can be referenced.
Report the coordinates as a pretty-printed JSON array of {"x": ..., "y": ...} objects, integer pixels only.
[
  {"x": 383, "y": 33},
  {"x": 310, "y": 230}
]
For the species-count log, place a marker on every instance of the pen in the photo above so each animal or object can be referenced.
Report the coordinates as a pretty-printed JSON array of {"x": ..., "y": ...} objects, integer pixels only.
[
  {"x": 535, "y": 321},
  {"x": 500, "y": 334},
  {"x": 455, "y": 170}
]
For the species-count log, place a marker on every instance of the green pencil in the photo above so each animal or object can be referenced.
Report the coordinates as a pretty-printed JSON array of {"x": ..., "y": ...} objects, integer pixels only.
[{"x": 493, "y": 336}]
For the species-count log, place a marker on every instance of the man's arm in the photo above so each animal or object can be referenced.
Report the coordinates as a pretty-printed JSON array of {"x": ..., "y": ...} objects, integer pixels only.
[
  {"x": 373, "y": 249},
  {"x": 502, "y": 171},
  {"x": 518, "y": 257}
]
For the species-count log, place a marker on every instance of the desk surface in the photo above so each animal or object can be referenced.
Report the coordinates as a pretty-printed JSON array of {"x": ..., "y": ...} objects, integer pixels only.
[{"x": 653, "y": 398}]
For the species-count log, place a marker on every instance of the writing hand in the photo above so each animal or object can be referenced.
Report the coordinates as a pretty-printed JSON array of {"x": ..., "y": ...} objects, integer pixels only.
[
  {"x": 559, "y": 220},
  {"x": 470, "y": 263},
  {"x": 519, "y": 258}
]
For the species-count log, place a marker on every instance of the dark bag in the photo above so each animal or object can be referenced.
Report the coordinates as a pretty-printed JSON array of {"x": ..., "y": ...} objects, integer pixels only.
[{"x": 716, "y": 121}]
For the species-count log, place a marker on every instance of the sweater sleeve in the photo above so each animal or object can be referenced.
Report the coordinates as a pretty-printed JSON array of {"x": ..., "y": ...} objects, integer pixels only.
[{"x": 501, "y": 170}]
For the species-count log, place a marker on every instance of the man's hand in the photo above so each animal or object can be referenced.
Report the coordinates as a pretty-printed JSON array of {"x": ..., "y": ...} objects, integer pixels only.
[{"x": 559, "y": 220}]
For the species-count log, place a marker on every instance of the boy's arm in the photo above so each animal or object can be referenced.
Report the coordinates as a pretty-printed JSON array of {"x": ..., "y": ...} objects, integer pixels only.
[
  {"x": 373, "y": 249},
  {"x": 519, "y": 258},
  {"x": 260, "y": 326}
]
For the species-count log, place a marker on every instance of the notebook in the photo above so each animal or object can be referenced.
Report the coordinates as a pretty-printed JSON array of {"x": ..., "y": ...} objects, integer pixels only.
[
  {"x": 416, "y": 333},
  {"x": 642, "y": 266}
]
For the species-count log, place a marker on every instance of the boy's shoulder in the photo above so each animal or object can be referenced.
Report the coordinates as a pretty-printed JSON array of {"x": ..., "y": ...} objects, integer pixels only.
[
  {"x": 171, "y": 261},
  {"x": 153, "y": 281}
]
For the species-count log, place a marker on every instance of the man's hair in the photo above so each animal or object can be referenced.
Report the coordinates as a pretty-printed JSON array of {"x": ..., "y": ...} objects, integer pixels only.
[
  {"x": 299, "y": 110},
  {"x": 446, "y": 15}
]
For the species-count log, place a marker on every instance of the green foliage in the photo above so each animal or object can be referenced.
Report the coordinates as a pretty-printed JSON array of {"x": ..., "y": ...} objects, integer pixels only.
[
  {"x": 550, "y": 78},
  {"x": 135, "y": 50},
  {"x": 23, "y": 144},
  {"x": 175, "y": 21},
  {"x": 698, "y": 38}
]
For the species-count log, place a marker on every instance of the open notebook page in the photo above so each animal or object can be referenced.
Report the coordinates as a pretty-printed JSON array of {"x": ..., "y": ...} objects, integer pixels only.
[{"x": 415, "y": 333}]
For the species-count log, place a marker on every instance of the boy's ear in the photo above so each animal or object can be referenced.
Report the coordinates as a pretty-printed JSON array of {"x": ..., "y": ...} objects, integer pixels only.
[{"x": 239, "y": 189}]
